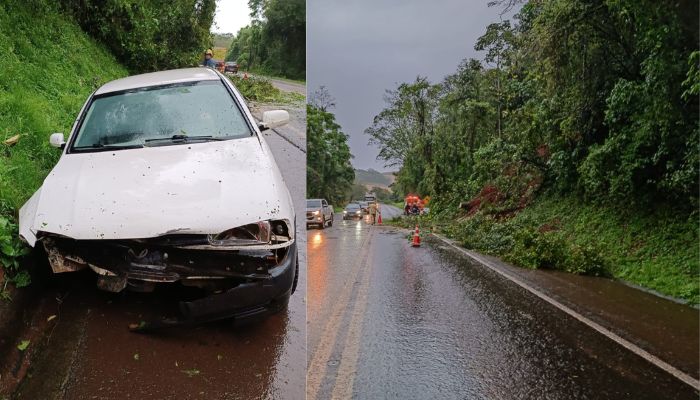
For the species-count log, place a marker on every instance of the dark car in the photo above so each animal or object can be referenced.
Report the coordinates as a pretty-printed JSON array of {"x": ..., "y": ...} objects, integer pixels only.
[
  {"x": 353, "y": 210},
  {"x": 231, "y": 66}
]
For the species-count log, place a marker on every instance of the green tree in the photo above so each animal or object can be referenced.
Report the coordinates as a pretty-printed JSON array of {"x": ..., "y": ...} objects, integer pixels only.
[
  {"x": 275, "y": 41},
  {"x": 148, "y": 35},
  {"x": 329, "y": 173}
]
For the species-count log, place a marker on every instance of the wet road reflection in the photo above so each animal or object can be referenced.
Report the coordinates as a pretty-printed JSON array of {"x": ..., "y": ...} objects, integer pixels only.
[{"x": 390, "y": 321}]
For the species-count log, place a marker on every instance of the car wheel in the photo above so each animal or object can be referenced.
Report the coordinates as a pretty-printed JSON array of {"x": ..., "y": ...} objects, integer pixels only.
[
  {"x": 330, "y": 223},
  {"x": 322, "y": 225}
]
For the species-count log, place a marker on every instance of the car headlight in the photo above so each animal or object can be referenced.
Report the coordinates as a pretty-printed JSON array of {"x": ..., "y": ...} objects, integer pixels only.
[
  {"x": 262, "y": 232},
  {"x": 316, "y": 212},
  {"x": 345, "y": 211}
]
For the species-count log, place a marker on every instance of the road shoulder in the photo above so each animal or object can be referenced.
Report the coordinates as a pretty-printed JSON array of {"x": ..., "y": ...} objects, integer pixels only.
[{"x": 661, "y": 331}]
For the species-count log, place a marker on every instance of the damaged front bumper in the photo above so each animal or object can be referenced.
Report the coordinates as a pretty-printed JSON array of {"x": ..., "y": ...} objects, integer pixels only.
[{"x": 240, "y": 282}]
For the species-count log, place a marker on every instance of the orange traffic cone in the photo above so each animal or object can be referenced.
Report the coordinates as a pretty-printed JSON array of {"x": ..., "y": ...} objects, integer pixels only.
[
  {"x": 379, "y": 219},
  {"x": 416, "y": 238}
]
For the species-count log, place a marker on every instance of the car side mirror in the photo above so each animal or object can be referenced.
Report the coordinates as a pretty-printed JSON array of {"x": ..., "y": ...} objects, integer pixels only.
[
  {"x": 273, "y": 119},
  {"x": 57, "y": 140}
]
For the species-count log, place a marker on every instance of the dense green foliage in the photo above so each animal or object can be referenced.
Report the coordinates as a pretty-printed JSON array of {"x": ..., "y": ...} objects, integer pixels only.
[
  {"x": 592, "y": 99},
  {"x": 657, "y": 250},
  {"x": 329, "y": 173},
  {"x": 275, "y": 42},
  {"x": 50, "y": 67},
  {"x": 148, "y": 35}
]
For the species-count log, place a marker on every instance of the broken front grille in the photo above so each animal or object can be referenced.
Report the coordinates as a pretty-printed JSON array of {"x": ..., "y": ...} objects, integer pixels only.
[{"x": 159, "y": 259}]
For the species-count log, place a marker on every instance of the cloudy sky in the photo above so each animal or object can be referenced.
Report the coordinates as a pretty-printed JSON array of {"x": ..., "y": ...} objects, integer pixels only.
[
  {"x": 359, "y": 48},
  {"x": 231, "y": 15}
]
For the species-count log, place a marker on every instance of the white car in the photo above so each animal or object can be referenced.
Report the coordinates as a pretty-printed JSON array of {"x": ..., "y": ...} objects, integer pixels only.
[{"x": 166, "y": 177}]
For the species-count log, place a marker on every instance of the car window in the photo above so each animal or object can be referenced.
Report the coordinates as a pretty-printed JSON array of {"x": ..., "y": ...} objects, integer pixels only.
[
  {"x": 352, "y": 206},
  {"x": 202, "y": 108},
  {"x": 324, "y": 203},
  {"x": 313, "y": 203}
]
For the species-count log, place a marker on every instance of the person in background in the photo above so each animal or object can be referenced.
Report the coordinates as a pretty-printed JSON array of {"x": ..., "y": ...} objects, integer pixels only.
[
  {"x": 208, "y": 60},
  {"x": 373, "y": 211}
]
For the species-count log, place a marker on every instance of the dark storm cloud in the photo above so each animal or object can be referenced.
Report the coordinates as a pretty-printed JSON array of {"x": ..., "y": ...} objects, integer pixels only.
[{"x": 360, "y": 48}]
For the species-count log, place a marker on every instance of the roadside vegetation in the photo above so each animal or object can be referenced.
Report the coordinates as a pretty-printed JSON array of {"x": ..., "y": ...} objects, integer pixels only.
[
  {"x": 49, "y": 68},
  {"x": 329, "y": 173},
  {"x": 573, "y": 145},
  {"x": 274, "y": 44},
  {"x": 261, "y": 90},
  {"x": 147, "y": 35}
]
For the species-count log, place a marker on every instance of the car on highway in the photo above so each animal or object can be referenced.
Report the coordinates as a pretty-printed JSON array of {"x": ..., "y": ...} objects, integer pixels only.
[
  {"x": 319, "y": 213},
  {"x": 166, "y": 177},
  {"x": 231, "y": 66},
  {"x": 352, "y": 211}
]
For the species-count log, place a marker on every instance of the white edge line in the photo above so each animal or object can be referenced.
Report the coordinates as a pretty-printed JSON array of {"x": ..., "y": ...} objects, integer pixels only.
[{"x": 694, "y": 383}]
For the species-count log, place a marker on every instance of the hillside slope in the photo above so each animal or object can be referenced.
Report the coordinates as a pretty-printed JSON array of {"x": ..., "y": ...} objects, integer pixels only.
[
  {"x": 372, "y": 177},
  {"x": 49, "y": 67}
]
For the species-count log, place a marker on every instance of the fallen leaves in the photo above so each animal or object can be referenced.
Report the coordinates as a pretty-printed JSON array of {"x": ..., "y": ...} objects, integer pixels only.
[
  {"x": 22, "y": 346},
  {"x": 12, "y": 140}
]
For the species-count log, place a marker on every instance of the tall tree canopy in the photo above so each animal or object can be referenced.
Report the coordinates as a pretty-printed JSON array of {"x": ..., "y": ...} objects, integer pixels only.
[
  {"x": 275, "y": 41},
  {"x": 148, "y": 35},
  {"x": 597, "y": 97},
  {"x": 329, "y": 173}
]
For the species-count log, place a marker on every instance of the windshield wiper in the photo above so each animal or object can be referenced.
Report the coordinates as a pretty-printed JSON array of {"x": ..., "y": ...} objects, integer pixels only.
[
  {"x": 184, "y": 139},
  {"x": 100, "y": 146}
]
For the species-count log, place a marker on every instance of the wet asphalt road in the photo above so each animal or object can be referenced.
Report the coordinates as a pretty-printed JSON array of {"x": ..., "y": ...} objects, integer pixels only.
[
  {"x": 390, "y": 321},
  {"x": 91, "y": 354}
]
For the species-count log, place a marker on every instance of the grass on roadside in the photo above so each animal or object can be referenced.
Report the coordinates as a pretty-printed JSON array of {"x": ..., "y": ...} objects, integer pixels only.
[
  {"x": 49, "y": 67},
  {"x": 658, "y": 251},
  {"x": 261, "y": 90}
]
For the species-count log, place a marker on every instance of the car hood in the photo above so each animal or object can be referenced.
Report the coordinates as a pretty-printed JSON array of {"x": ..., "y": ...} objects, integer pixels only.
[{"x": 188, "y": 188}]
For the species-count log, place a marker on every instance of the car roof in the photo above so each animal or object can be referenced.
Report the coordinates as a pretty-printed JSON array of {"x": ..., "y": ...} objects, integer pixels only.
[{"x": 159, "y": 78}]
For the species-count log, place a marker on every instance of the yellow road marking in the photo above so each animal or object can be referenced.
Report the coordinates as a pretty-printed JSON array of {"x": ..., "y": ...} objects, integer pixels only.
[
  {"x": 347, "y": 371},
  {"x": 319, "y": 362}
]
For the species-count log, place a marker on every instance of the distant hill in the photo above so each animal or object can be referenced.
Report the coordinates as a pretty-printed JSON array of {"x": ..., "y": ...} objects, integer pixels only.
[{"x": 372, "y": 177}]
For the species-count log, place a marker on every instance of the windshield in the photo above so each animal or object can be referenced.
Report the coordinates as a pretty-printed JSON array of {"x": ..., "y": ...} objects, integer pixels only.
[
  {"x": 313, "y": 203},
  {"x": 353, "y": 206},
  {"x": 154, "y": 116}
]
